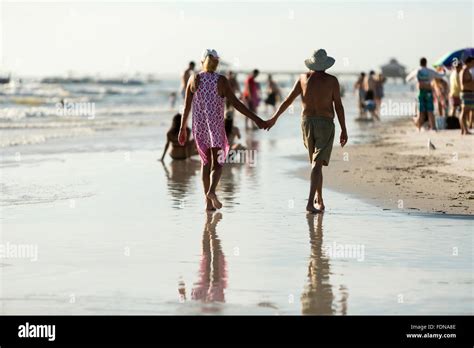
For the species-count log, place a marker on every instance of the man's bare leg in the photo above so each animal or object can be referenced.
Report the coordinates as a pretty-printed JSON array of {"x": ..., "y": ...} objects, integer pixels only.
[
  {"x": 431, "y": 120},
  {"x": 463, "y": 120},
  {"x": 206, "y": 182},
  {"x": 417, "y": 120},
  {"x": 315, "y": 187},
  {"x": 216, "y": 172}
]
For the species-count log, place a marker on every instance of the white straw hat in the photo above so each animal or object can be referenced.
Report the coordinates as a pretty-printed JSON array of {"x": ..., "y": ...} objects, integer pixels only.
[{"x": 319, "y": 61}]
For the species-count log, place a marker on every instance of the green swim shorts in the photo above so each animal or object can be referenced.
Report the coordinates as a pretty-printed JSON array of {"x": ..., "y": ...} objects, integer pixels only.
[
  {"x": 467, "y": 99},
  {"x": 318, "y": 137}
]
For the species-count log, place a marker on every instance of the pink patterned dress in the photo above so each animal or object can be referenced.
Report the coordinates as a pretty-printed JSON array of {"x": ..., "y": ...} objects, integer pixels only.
[{"x": 208, "y": 117}]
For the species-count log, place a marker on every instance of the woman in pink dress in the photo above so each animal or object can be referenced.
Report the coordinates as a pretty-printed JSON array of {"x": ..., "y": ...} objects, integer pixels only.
[{"x": 206, "y": 93}]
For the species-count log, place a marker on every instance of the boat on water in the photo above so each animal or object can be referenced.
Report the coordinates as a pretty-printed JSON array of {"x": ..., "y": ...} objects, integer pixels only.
[{"x": 5, "y": 80}]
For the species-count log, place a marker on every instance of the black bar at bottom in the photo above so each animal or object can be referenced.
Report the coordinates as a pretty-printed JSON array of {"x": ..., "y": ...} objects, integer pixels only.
[{"x": 430, "y": 331}]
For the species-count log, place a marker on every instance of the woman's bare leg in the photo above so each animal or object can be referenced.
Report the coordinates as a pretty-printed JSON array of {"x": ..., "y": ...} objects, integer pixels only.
[
  {"x": 216, "y": 172},
  {"x": 206, "y": 180}
]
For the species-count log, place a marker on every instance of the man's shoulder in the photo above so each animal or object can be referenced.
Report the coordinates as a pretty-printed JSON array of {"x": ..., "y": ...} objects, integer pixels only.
[{"x": 332, "y": 78}]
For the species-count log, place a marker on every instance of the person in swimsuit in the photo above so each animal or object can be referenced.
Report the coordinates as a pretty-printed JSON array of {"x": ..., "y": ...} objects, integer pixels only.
[
  {"x": 320, "y": 96},
  {"x": 455, "y": 89},
  {"x": 206, "y": 93},
  {"x": 379, "y": 92},
  {"x": 250, "y": 94},
  {"x": 273, "y": 92},
  {"x": 424, "y": 77},
  {"x": 232, "y": 132},
  {"x": 467, "y": 94},
  {"x": 359, "y": 88},
  {"x": 185, "y": 77},
  {"x": 178, "y": 151}
]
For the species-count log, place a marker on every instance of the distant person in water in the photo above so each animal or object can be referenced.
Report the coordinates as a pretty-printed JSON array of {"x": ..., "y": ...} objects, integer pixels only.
[
  {"x": 234, "y": 85},
  {"x": 370, "y": 82},
  {"x": 359, "y": 88},
  {"x": 178, "y": 151},
  {"x": 232, "y": 132},
  {"x": 320, "y": 96},
  {"x": 185, "y": 77},
  {"x": 273, "y": 93},
  {"x": 370, "y": 105},
  {"x": 467, "y": 95},
  {"x": 206, "y": 93},
  {"x": 379, "y": 92},
  {"x": 424, "y": 76},
  {"x": 172, "y": 99},
  {"x": 250, "y": 94}
]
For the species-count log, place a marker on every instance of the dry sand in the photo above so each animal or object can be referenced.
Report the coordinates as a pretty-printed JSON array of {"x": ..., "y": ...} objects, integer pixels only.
[{"x": 399, "y": 171}]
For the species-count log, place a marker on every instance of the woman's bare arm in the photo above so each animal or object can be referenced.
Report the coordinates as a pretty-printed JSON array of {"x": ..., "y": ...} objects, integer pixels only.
[
  {"x": 166, "y": 149},
  {"x": 238, "y": 105},
  {"x": 188, "y": 99}
]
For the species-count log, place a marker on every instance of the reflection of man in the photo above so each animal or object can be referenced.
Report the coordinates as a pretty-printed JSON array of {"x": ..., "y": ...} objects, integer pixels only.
[
  {"x": 317, "y": 298},
  {"x": 185, "y": 77}
]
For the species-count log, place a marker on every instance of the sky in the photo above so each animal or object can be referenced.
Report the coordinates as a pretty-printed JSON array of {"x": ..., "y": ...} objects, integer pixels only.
[{"x": 101, "y": 37}]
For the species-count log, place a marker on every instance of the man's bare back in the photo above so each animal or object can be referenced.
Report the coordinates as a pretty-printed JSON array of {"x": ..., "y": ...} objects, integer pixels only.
[{"x": 318, "y": 94}]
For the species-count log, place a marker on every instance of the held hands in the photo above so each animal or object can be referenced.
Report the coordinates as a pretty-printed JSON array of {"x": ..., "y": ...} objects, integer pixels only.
[{"x": 261, "y": 124}]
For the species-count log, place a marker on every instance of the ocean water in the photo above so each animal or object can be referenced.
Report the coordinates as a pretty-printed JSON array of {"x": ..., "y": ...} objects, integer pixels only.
[{"x": 117, "y": 232}]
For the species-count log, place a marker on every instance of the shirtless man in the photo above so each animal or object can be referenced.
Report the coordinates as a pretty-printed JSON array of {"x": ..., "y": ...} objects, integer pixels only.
[
  {"x": 320, "y": 96},
  {"x": 185, "y": 77},
  {"x": 467, "y": 94},
  {"x": 424, "y": 77}
]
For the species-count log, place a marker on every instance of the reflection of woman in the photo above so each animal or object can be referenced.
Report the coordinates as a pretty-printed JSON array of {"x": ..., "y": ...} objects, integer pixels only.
[
  {"x": 318, "y": 297},
  {"x": 212, "y": 273}
]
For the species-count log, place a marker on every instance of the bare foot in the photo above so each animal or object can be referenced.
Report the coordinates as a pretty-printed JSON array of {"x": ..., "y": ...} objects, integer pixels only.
[
  {"x": 319, "y": 204},
  {"x": 312, "y": 210},
  {"x": 209, "y": 206},
  {"x": 213, "y": 198}
]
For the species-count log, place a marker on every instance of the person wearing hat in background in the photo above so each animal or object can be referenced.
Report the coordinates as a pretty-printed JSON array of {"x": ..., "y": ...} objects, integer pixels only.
[
  {"x": 320, "y": 96},
  {"x": 206, "y": 92}
]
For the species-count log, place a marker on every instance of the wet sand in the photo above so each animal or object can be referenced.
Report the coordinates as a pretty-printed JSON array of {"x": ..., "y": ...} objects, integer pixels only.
[
  {"x": 118, "y": 232},
  {"x": 398, "y": 171}
]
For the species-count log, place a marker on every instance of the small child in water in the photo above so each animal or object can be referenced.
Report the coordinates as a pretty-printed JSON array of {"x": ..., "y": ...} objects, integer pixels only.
[
  {"x": 178, "y": 151},
  {"x": 232, "y": 133},
  {"x": 370, "y": 105}
]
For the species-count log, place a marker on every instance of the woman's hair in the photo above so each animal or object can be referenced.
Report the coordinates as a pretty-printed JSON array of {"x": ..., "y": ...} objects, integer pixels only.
[
  {"x": 210, "y": 64},
  {"x": 229, "y": 125},
  {"x": 175, "y": 124}
]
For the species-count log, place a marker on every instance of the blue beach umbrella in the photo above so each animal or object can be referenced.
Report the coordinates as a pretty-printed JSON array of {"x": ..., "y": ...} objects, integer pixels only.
[{"x": 459, "y": 55}]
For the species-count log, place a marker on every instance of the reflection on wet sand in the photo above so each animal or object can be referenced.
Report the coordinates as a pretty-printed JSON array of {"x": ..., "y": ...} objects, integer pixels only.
[
  {"x": 212, "y": 272},
  {"x": 179, "y": 174},
  {"x": 318, "y": 297}
]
